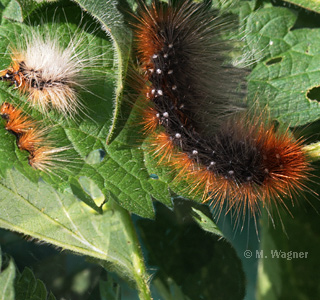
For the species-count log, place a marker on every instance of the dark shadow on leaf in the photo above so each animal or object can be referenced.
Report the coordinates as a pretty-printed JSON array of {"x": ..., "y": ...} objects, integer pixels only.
[{"x": 274, "y": 61}]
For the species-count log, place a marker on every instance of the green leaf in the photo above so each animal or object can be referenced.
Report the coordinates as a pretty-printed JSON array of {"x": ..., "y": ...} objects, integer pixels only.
[
  {"x": 21, "y": 286},
  {"x": 108, "y": 290},
  {"x": 206, "y": 223},
  {"x": 29, "y": 288},
  {"x": 169, "y": 290},
  {"x": 112, "y": 21},
  {"x": 289, "y": 69},
  {"x": 19, "y": 10},
  {"x": 189, "y": 262},
  {"x": 120, "y": 171},
  {"x": 62, "y": 220},
  {"x": 13, "y": 11},
  {"x": 289, "y": 265},
  {"x": 7, "y": 280},
  {"x": 313, "y": 5}
]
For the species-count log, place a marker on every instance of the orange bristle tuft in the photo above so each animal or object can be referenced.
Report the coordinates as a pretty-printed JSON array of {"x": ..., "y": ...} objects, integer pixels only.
[
  {"x": 162, "y": 146},
  {"x": 32, "y": 137},
  {"x": 17, "y": 122},
  {"x": 147, "y": 31},
  {"x": 7, "y": 110},
  {"x": 150, "y": 120}
]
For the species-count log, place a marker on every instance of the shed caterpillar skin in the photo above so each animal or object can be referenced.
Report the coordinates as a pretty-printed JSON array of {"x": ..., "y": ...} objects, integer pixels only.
[
  {"x": 49, "y": 72},
  {"x": 241, "y": 161},
  {"x": 32, "y": 137}
]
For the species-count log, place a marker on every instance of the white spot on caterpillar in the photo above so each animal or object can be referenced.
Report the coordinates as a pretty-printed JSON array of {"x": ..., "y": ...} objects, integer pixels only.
[
  {"x": 154, "y": 56},
  {"x": 194, "y": 152},
  {"x": 153, "y": 91},
  {"x": 177, "y": 135},
  {"x": 170, "y": 46},
  {"x": 231, "y": 172},
  {"x": 158, "y": 115},
  {"x": 166, "y": 115},
  {"x": 170, "y": 72},
  {"x": 160, "y": 92},
  {"x": 174, "y": 87},
  {"x": 159, "y": 71},
  {"x": 165, "y": 55}
]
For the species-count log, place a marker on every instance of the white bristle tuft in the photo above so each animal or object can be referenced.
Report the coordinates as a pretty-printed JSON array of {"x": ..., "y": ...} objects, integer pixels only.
[{"x": 51, "y": 72}]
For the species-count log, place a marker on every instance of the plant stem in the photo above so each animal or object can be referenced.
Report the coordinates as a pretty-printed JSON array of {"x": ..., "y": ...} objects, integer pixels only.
[
  {"x": 141, "y": 276},
  {"x": 138, "y": 268}
]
